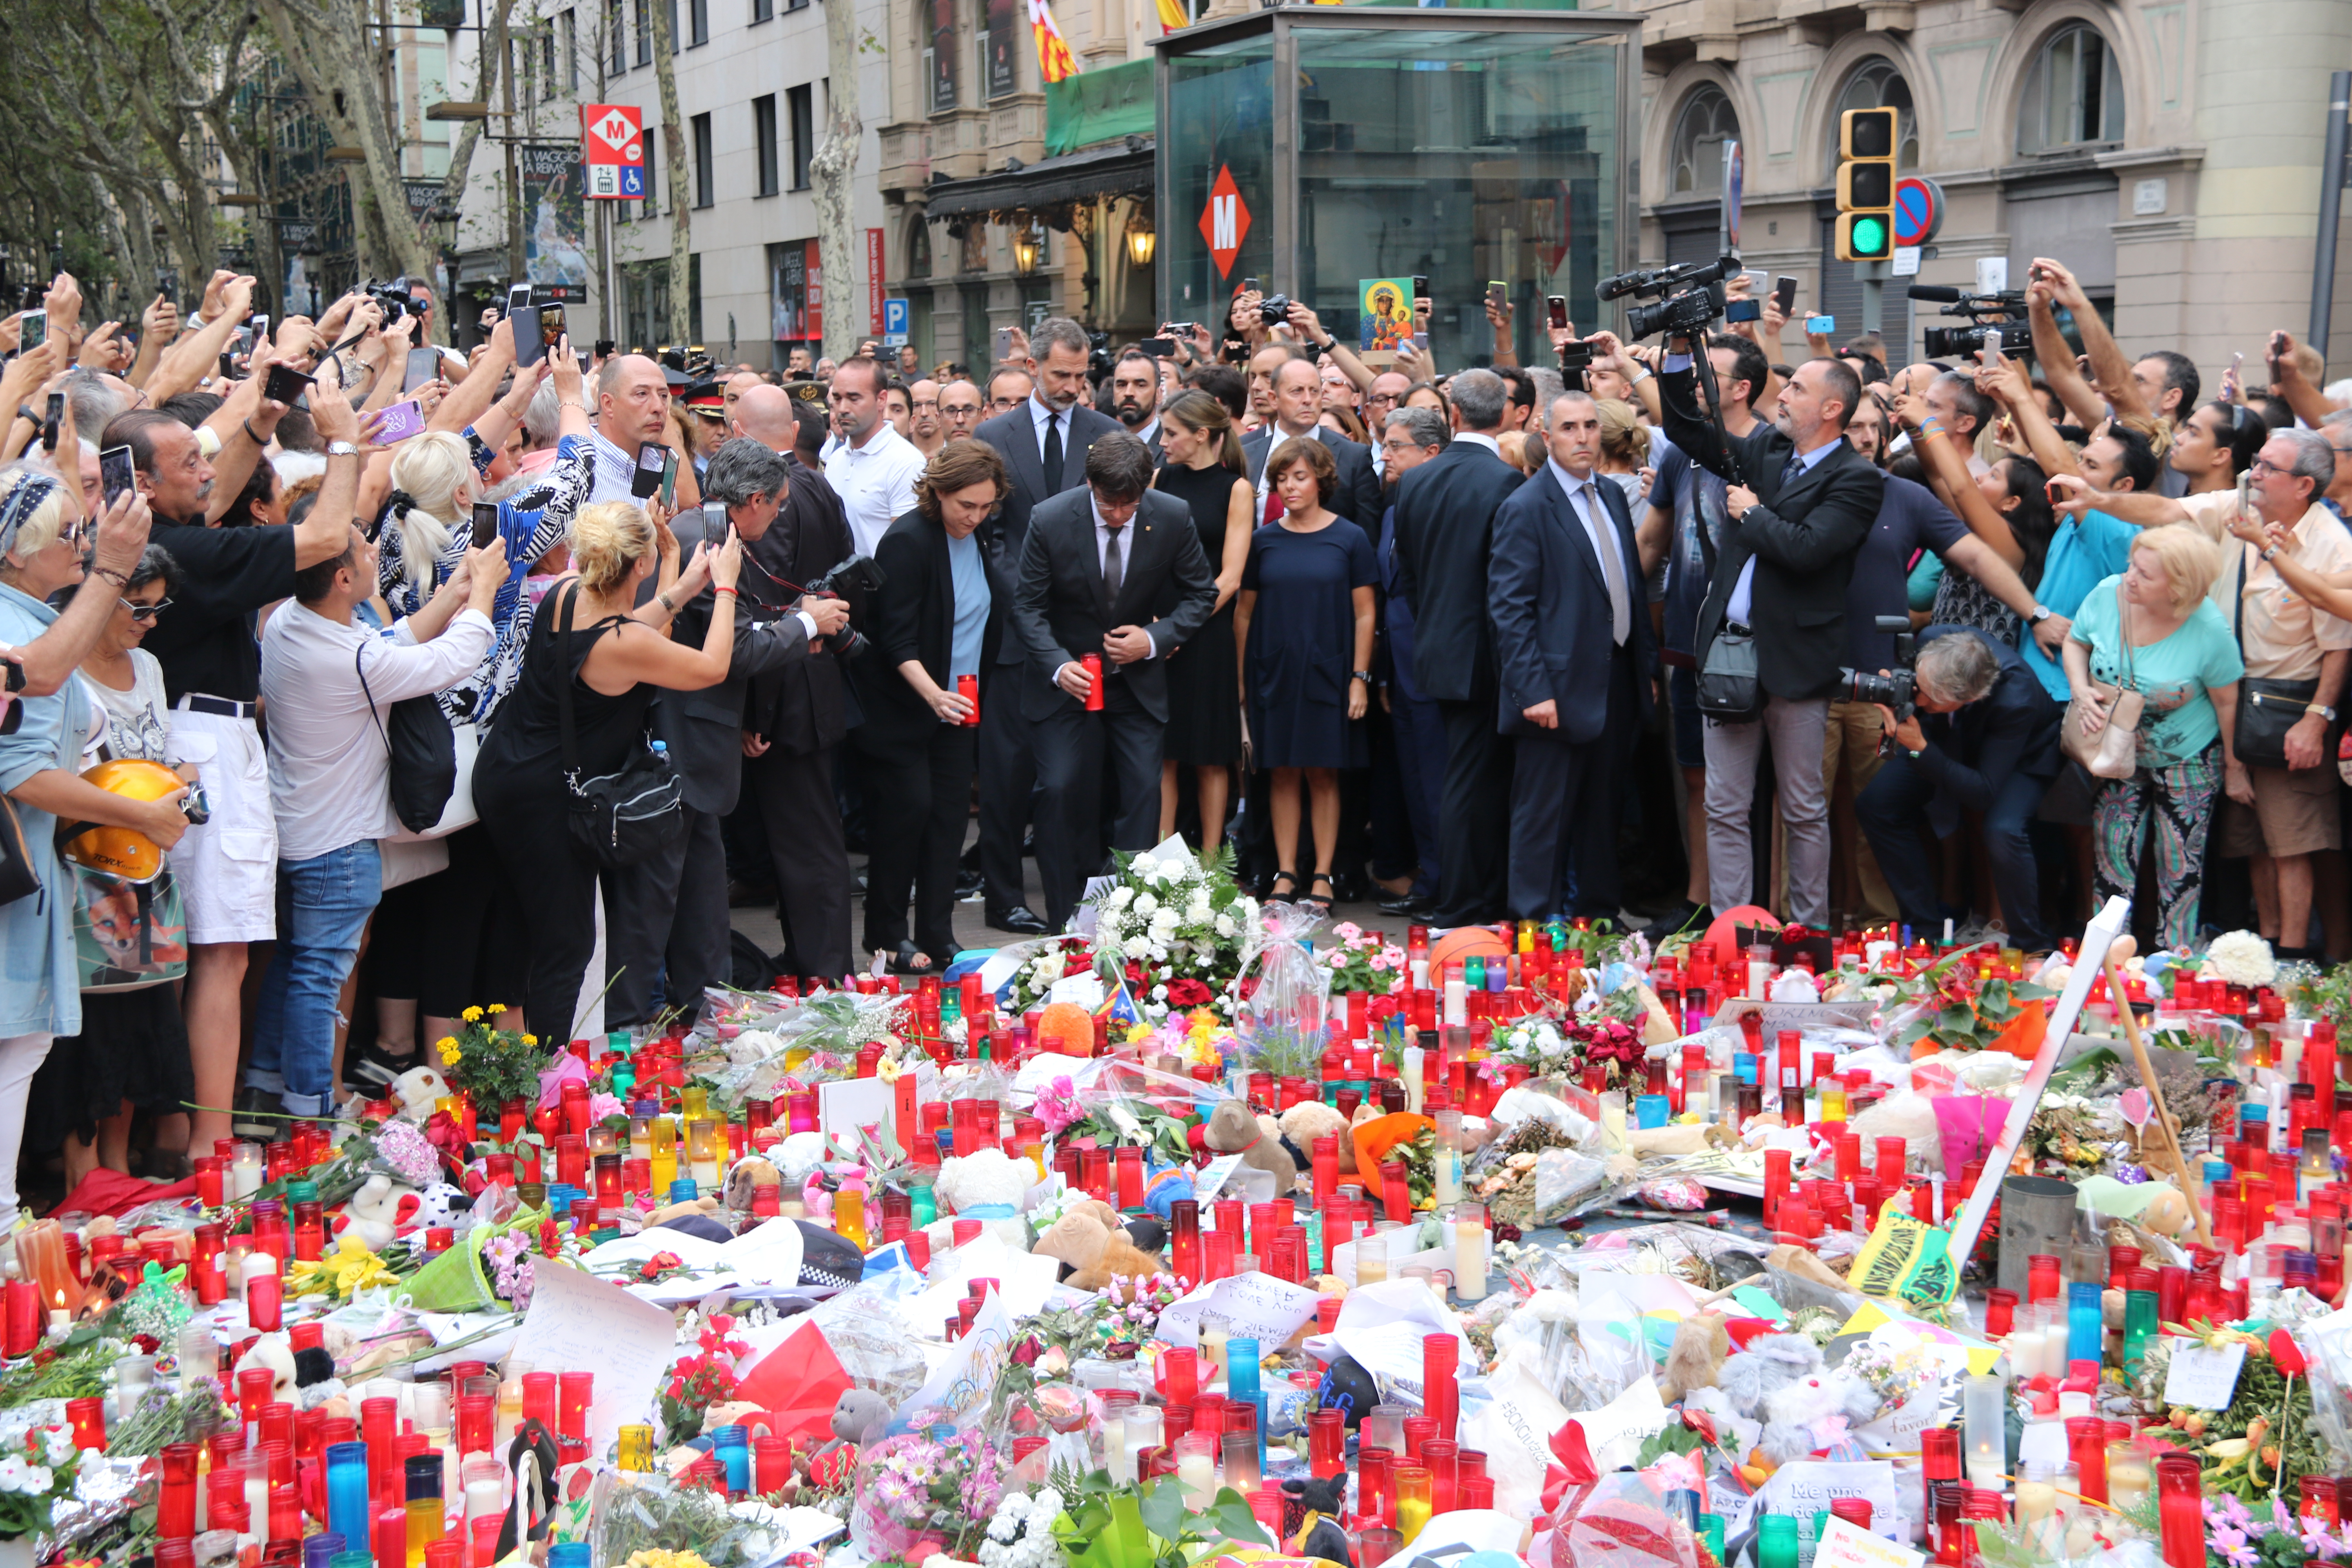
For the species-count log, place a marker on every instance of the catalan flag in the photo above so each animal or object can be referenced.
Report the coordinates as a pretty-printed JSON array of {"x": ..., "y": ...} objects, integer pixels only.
[
  {"x": 1172, "y": 18},
  {"x": 1055, "y": 62}
]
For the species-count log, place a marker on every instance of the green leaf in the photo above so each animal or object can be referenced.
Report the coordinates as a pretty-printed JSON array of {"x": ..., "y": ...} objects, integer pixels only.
[
  {"x": 1235, "y": 1521},
  {"x": 1162, "y": 1509}
]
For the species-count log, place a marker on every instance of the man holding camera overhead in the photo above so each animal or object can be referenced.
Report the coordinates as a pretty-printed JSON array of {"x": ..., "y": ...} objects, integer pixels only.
[{"x": 1801, "y": 500}]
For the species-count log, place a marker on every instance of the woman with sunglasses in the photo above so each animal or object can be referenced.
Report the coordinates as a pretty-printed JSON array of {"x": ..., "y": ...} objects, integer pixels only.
[{"x": 133, "y": 1052}]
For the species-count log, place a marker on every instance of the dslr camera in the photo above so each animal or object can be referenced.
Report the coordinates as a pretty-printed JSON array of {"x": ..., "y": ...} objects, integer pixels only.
[
  {"x": 394, "y": 298},
  {"x": 1899, "y": 691},
  {"x": 1997, "y": 321},
  {"x": 1692, "y": 296},
  {"x": 1274, "y": 310},
  {"x": 853, "y": 579}
]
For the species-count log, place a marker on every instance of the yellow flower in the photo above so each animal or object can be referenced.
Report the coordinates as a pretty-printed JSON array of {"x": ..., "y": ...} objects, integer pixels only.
[
  {"x": 350, "y": 1267},
  {"x": 887, "y": 1069},
  {"x": 498, "y": 1006},
  {"x": 450, "y": 1055},
  {"x": 655, "y": 1557},
  {"x": 471, "y": 1014},
  {"x": 530, "y": 1040}
]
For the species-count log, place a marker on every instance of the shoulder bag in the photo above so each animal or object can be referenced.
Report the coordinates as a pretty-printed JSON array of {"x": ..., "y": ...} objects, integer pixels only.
[
  {"x": 1728, "y": 688},
  {"x": 432, "y": 774},
  {"x": 628, "y": 815},
  {"x": 2114, "y": 751},
  {"x": 2267, "y": 710}
]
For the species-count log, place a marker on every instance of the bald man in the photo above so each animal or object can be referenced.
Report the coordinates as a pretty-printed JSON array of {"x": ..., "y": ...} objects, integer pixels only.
[
  {"x": 741, "y": 382},
  {"x": 632, "y": 410},
  {"x": 924, "y": 427},
  {"x": 765, "y": 414}
]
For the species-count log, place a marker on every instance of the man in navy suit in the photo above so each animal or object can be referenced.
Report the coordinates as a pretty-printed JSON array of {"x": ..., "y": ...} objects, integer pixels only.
[
  {"x": 1297, "y": 412},
  {"x": 1572, "y": 654},
  {"x": 1044, "y": 440}
]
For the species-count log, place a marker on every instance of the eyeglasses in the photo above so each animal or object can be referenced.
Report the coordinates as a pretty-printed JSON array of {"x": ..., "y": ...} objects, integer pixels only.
[
  {"x": 2264, "y": 466},
  {"x": 144, "y": 611}
]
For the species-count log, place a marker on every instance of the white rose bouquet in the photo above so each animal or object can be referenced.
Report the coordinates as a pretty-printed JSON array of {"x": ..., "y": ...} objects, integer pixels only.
[{"x": 1179, "y": 931}]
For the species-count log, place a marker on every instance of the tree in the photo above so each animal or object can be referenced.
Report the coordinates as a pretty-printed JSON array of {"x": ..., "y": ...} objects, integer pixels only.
[
  {"x": 494, "y": 57},
  {"x": 830, "y": 171},
  {"x": 674, "y": 147}
]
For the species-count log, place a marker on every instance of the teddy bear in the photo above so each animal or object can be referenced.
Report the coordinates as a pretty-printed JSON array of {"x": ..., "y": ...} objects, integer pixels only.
[
  {"x": 435, "y": 1208},
  {"x": 1311, "y": 1119},
  {"x": 744, "y": 1176},
  {"x": 1701, "y": 1345},
  {"x": 416, "y": 1090},
  {"x": 273, "y": 1351},
  {"x": 987, "y": 1185},
  {"x": 1256, "y": 1139},
  {"x": 374, "y": 1212},
  {"x": 1769, "y": 1363},
  {"x": 859, "y": 1416},
  {"x": 1817, "y": 1411},
  {"x": 1095, "y": 1253},
  {"x": 1318, "y": 1498}
]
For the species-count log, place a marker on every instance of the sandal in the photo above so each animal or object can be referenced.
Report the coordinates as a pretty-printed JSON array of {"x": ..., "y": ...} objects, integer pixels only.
[
  {"x": 1276, "y": 894},
  {"x": 1319, "y": 904},
  {"x": 903, "y": 962}
]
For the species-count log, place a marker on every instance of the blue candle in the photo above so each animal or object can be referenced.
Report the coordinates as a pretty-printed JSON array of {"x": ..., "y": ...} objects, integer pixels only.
[
  {"x": 347, "y": 1491},
  {"x": 2084, "y": 1323}
]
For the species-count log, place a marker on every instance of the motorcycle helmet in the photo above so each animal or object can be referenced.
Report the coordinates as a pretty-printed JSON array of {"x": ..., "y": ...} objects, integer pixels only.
[{"x": 120, "y": 851}]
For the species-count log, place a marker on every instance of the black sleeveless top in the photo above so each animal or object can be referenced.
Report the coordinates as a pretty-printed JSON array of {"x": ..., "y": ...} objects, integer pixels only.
[{"x": 523, "y": 757}]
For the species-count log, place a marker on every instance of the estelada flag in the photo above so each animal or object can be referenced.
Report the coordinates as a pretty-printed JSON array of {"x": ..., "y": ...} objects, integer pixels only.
[{"x": 1054, "y": 62}]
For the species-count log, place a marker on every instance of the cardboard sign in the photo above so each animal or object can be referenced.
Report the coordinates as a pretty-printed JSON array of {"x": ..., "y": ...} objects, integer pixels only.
[{"x": 1254, "y": 1306}]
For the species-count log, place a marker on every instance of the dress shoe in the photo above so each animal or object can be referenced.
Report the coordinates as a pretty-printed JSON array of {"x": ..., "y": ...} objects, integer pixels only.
[
  {"x": 967, "y": 883},
  {"x": 1347, "y": 888},
  {"x": 1408, "y": 902},
  {"x": 1020, "y": 920}
]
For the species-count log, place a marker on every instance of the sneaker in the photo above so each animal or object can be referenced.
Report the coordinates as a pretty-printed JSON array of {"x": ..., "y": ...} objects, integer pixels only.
[{"x": 245, "y": 1123}]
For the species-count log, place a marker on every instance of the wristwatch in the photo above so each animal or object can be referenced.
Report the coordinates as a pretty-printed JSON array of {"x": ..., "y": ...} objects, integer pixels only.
[
  {"x": 2268, "y": 551},
  {"x": 1917, "y": 752},
  {"x": 342, "y": 449},
  {"x": 2326, "y": 713},
  {"x": 1366, "y": 677},
  {"x": 2041, "y": 614}
]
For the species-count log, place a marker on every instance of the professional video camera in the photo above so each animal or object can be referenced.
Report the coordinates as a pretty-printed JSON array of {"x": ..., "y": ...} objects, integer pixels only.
[
  {"x": 1999, "y": 321},
  {"x": 1693, "y": 293},
  {"x": 853, "y": 579},
  {"x": 1899, "y": 691}
]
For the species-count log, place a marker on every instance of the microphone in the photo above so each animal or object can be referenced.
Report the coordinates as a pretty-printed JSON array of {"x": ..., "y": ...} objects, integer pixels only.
[{"x": 1940, "y": 293}]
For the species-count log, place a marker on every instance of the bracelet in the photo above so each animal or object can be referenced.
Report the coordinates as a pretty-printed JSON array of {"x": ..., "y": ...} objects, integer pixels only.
[
  {"x": 663, "y": 600},
  {"x": 718, "y": 591},
  {"x": 256, "y": 440},
  {"x": 1638, "y": 377},
  {"x": 114, "y": 575}
]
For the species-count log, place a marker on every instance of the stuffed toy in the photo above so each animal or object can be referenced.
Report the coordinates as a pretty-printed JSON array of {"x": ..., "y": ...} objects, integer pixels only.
[
  {"x": 1094, "y": 1253},
  {"x": 1817, "y": 1411},
  {"x": 272, "y": 1351},
  {"x": 988, "y": 1184},
  {"x": 1311, "y": 1119},
  {"x": 1907, "y": 1115},
  {"x": 1678, "y": 1138},
  {"x": 1310, "y": 1518},
  {"x": 437, "y": 1208},
  {"x": 1164, "y": 1186},
  {"x": 416, "y": 1090},
  {"x": 1769, "y": 1363},
  {"x": 797, "y": 1155},
  {"x": 374, "y": 1212},
  {"x": 314, "y": 1379},
  {"x": 1701, "y": 1346},
  {"x": 1234, "y": 1130},
  {"x": 859, "y": 1416},
  {"x": 747, "y": 1173}
]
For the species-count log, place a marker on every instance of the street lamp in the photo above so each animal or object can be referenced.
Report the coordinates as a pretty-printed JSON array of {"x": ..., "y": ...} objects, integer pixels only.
[
  {"x": 1028, "y": 248},
  {"x": 1141, "y": 242}
]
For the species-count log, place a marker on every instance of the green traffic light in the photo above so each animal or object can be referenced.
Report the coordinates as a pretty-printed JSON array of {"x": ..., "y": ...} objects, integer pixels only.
[{"x": 1869, "y": 236}]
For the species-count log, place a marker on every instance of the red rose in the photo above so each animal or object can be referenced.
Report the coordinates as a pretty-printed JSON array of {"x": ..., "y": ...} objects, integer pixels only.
[
  {"x": 1189, "y": 993},
  {"x": 1134, "y": 975},
  {"x": 1077, "y": 964}
]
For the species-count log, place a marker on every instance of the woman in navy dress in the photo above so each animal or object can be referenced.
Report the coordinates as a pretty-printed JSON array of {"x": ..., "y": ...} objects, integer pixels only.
[{"x": 1304, "y": 625}]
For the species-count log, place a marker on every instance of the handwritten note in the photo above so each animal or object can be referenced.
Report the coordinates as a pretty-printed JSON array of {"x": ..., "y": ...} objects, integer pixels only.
[
  {"x": 1806, "y": 1488},
  {"x": 960, "y": 1386},
  {"x": 2204, "y": 1379},
  {"x": 844, "y": 1105},
  {"x": 579, "y": 1322},
  {"x": 1513, "y": 1428},
  {"x": 1845, "y": 1544},
  {"x": 1254, "y": 1306}
]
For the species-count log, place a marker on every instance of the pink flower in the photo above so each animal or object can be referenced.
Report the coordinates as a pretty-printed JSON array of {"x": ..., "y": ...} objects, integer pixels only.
[
  {"x": 601, "y": 1106},
  {"x": 1347, "y": 931}
]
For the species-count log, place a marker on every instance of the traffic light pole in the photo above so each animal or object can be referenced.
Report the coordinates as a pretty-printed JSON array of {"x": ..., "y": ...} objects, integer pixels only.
[{"x": 1872, "y": 275}]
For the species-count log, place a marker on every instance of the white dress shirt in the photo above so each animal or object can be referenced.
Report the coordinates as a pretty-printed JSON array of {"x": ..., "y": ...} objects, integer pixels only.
[
  {"x": 875, "y": 482},
  {"x": 1585, "y": 502},
  {"x": 1478, "y": 438},
  {"x": 1040, "y": 411}
]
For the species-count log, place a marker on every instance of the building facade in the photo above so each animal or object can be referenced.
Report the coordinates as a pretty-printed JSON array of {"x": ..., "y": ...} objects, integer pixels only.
[{"x": 2169, "y": 151}]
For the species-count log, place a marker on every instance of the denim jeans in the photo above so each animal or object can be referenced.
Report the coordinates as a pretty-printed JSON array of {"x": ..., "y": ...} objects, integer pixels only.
[{"x": 323, "y": 905}]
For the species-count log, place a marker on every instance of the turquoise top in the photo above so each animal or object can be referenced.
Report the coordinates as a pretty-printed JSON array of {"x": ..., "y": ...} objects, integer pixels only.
[
  {"x": 2174, "y": 675},
  {"x": 2080, "y": 556},
  {"x": 40, "y": 989}
]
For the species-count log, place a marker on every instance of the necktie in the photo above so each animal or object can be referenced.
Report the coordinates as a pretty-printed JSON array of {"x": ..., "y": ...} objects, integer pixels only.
[
  {"x": 1792, "y": 468},
  {"x": 1110, "y": 573},
  {"x": 1613, "y": 567},
  {"x": 1054, "y": 451}
]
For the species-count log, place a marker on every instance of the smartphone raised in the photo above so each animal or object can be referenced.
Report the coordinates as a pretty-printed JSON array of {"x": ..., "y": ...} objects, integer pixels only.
[
  {"x": 1420, "y": 286},
  {"x": 118, "y": 474},
  {"x": 669, "y": 481},
  {"x": 1158, "y": 348},
  {"x": 1249, "y": 286},
  {"x": 1784, "y": 293},
  {"x": 1497, "y": 293},
  {"x": 1556, "y": 311},
  {"x": 486, "y": 522},
  {"x": 528, "y": 347},
  {"x": 51, "y": 418},
  {"x": 1743, "y": 311},
  {"x": 258, "y": 330},
  {"x": 32, "y": 331},
  {"x": 424, "y": 365},
  {"x": 652, "y": 459},
  {"x": 1822, "y": 324},
  {"x": 552, "y": 326},
  {"x": 603, "y": 348},
  {"x": 400, "y": 420},
  {"x": 1003, "y": 344}
]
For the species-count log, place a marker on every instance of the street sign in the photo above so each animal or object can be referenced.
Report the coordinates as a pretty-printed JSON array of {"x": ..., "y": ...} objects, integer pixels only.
[
  {"x": 612, "y": 151},
  {"x": 1224, "y": 222},
  {"x": 1918, "y": 210},
  {"x": 894, "y": 320}
]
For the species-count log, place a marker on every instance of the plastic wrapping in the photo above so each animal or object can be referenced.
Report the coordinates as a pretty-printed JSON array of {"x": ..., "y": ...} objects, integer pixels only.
[
  {"x": 872, "y": 1342},
  {"x": 1282, "y": 1019},
  {"x": 1567, "y": 1183},
  {"x": 1624, "y": 1522},
  {"x": 2327, "y": 1342},
  {"x": 913, "y": 1496},
  {"x": 638, "y": 1511}
]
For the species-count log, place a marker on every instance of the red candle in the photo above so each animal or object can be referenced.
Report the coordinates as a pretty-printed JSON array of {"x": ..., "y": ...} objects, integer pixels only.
[
  {"x": 264, "y": 1296},
  {"x": 89, "y": 1418},
  {"x": 23, "y": 1318}
]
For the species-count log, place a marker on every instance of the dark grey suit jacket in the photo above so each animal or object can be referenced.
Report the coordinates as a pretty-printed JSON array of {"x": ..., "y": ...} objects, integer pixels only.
[
  {"x": 1551, "y": 611},
  {"x": 1359, "y": 497},
  {"x": 1058, "y": 614},
  {"x": 1014, "y": 434},
  {"x": 1441, "y": 534}
]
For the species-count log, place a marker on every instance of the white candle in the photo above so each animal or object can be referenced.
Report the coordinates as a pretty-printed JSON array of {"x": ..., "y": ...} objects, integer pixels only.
[
  {"x": 1212, "y": 1347},
  {"x": 1412, "y": 1066},
  {"x": 1470, "y": 1259},
  {"x": 1447, "y": 1169},
  {"x": 1198, "y": 1474},
  {"x": 1115, "y": 1447},
  {"x": 483, "y": 1497}
]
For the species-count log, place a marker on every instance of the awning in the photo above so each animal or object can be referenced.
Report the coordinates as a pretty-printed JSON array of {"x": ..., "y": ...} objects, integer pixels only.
[{"x": 1120, "y": 169}]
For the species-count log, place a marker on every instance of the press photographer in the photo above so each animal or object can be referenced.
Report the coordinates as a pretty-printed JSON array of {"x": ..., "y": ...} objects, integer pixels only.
[{"x": 1978, "y": 733}]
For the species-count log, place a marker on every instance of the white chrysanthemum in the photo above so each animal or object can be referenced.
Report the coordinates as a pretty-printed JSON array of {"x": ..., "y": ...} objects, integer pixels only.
[
  {"x": 2239, "y": 958},
  {"x": 1225, "y": 926},
  {"x": 1121, "y": 897},
  {"x": 1049, "y": 1503},
  {"x": 1145, "y": 903},
  {"x": 1198, "y": 909}
]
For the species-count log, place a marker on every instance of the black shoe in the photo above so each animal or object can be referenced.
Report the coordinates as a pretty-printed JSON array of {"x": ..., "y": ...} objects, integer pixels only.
[
  {"x": 1346, "y": 889},
  {"x": 245, "y": 1123},
  {"x": 1408, "y": 904},
  {"x": 743, "y": 895},
  {"x": 1020, "y": 920},
  {"x": 1029, "y": 844},
  {"x": 1688, "y": 917},
  {"x": 969, "y": 882}
]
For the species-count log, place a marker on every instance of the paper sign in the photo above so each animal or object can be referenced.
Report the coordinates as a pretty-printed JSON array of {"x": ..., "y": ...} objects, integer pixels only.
[
  {"x": 1806, "y": 1487},
  {"x": 1513, "y": 1428},
  {"x": 1845, "y": 1544},
  {"x": 2203, "y": 1379},
  {"x": 844, "y": 1105},
  {"x": 1254, "y": 1306},
  {"x": 579, "y": 1321},
  {"x": 960, "y": 1386},
  {"x": 1209, "y": 1179},
  {"x": 1081, "y": 990},
  {"x": 2045, "y": 1441},
  {"x": 1897, "y": 1431},
  {"x": 1614, "y": 1434}
]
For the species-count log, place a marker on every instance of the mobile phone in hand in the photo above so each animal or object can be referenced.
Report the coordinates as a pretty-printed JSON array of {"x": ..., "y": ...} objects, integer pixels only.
[
  {"x": 424, "y": 365},
  {"x": 1784, "y": 294},
  {"x": 528, "y": 347},
  {"x": 1158, "y": 348},
  {"x": 32, "y": 330},
  {"x": 1824, "y": 325},
  {"x": 118, "y": 474},
  {"x": 51, "y": 418},
  {"x": 1003, "y": 344},
  {"x": 1249, "y": 286},
  {"x": 603, "y": 348},
  {"x": 1498, "y": 293},
  {"x": 653, "y": 458},
  {"x": 669, "y": 481},
  {"x": 401, "y": 421},
  {"x": 286, "y": 385},
  {"x": 551, "y": 327},
  {"x": 1556, "y": 311},
  {"x": 486, "y": 524},
  {"x": 1743, "y": 311}
]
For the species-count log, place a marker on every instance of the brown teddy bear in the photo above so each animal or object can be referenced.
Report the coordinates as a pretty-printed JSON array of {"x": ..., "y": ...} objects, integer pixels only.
[
  {"x": 1311, "y": 1119},
  {"x": 1256, "y": 1139},
  {"x": 1096, "y": 1253}
]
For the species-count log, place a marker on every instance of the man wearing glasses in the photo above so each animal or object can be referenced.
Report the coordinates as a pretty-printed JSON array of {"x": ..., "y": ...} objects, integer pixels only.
[
  {"x": 1386, "y": 396},
  {"x": 960, "y": 410},
  {"x": 1007, "y": 390}
]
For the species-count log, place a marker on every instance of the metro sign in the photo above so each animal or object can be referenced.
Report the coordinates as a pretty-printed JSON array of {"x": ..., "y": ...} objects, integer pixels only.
[
  {"x": 613, "y": 151},
  {"x": 1224, "y": 222}
]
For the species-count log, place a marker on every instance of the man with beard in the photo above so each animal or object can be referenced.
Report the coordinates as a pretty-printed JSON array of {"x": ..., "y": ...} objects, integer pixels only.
[{"x": 1134, "y": 397}]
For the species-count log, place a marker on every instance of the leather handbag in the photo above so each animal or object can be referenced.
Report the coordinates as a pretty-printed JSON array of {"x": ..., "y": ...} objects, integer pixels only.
[
  {"x": 1728, "y": 688},
  {"x": 2267, "y": 710},
  {"x": 2114, "y": 751},
  {"x": 631, "y": 814}
]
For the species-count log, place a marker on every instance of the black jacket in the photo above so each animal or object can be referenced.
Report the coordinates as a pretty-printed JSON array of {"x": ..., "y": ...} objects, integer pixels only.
[
  {"x": 2012, "y": 729},
  {"x": 1444, "y": 530},
  {"x": 1551, "y": 610},
  {"x": 1358, "y": 497},
  {"x": 913, "y": 617},
  {"x": 803, "y": 708},
  {"x": 1014, "y": 434},
  {"x": 1803, "y": 538},
  {"x": 1059, "y": 613}
]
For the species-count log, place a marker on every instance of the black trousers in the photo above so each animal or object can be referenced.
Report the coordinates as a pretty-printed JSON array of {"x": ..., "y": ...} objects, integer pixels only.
[
  {"x": 537, "y": 852},
  {"x": 668, "y": 915},
  {"x": 1008, "y": 776},
  {"x": 803, "y": 816},
  {"x": 1565, "y": 800},
  {"x": 1073, "y": 747},
  {"x": 1891, "y": 809},
  {"x": 1472, "y": 859},
  {"x": 918, "y": 799}
]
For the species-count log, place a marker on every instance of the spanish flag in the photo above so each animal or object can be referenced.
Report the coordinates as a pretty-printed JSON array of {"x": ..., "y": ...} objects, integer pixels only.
[
  {"x": 1055, "y": 62},
  {"x": 1171, "y": 16}
]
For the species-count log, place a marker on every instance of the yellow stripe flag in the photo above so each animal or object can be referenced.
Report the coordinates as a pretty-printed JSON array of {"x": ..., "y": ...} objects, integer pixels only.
[{"x": 1053, "y": 59}]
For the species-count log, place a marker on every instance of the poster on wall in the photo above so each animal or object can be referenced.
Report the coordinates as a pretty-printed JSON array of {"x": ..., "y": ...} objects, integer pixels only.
[
  {"x": 555, "y": 218},
  {"x": 1004, "y": 43},
  {"x": 797, "y": 294},
  {"x": 943, "y": 56}
]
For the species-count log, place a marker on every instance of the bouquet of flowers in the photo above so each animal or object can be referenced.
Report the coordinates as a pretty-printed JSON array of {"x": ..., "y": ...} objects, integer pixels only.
[
  {"x": 490, "y": 1066},
  {"x": 1166, "y": 919},
  {"x": 34, "y": 1476},
  {"x": 1022, "y": 1533},
  {"x": 1131, "y": 1309},
  {"x": 1950, "y": 1008},
  {"x": 917, "y": 1495},
  {"x": 1360, "y": 960},
  {"x": 703, "y": 1380},
  {"x": 1549, "y": 1048},
  {"x": 1049, "y": 959}
]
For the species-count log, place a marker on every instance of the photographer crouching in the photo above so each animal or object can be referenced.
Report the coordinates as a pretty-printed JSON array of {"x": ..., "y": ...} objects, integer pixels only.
[{"x": 1978, "y": 733}]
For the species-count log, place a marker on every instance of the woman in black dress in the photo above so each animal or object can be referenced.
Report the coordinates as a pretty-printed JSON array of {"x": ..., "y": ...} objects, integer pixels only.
[
  {"x": 1204, "y": 470},
  {"x": 1305, "y": 628},
  {"x": 620, "y": 651}
]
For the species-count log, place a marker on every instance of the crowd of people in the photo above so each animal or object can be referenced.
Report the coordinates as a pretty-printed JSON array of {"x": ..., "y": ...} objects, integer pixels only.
[{"x": 513, "y": 676}]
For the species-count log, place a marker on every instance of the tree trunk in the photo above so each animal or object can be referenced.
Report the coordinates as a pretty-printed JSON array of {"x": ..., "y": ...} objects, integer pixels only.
[
  {"x": 681, "y": 194},
  {"x": 830, "y": 171}
]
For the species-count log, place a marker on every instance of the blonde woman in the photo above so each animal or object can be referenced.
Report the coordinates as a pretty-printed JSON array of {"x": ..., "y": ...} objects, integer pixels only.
[
  {"x": 618, "y": 653},
  {"x": 1625, "y": 449}
]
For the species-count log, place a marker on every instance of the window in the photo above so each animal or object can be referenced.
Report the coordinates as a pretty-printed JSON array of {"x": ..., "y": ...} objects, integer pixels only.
[
  {"x": 918, "y": 248},
  {"x": 764, "y": 10},
  {"x": 653, "y": 184},
  {"x": 645, "y": 32},
  {"x": 702, "y": 175},
  {"x": 2074, "y": 93},
  {"x": 935, "y": 24},
  {"x": 568, "y": 25},
  {"x": 669, "y": 14},
  {"x": 801, "y": 102},
  {"x": 1696, "y": 160},
  {"x": 699, "y": 11},
  {"x": 619, "y": 36},
  {"x": 1879, "y": 84},
  {"x": 764, "y": 137}
]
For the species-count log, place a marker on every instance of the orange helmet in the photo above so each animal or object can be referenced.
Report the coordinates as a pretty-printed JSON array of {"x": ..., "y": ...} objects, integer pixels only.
[{"x": 120, "y": 851}]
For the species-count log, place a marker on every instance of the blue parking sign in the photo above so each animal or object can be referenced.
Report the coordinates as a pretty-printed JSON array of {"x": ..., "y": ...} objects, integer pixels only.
[{"x": 894, "y": 317}]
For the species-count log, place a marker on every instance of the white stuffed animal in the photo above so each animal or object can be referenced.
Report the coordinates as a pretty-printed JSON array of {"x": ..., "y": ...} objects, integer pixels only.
[
  {"x": 273, "y": 1351},
  {"x": 989, "y": 1182},
  {"x": 374, "y": 1211},
  {"x": 416, "y": 1090}
]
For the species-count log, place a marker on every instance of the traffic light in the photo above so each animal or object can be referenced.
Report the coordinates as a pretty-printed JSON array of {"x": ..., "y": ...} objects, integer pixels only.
[{"x": 1865, "y": 185}]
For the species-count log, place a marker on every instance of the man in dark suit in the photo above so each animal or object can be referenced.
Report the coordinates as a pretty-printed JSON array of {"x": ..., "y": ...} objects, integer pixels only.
[
  {"x": 1044, "y": 441},
  {"x": 1984, "y": 739},
  {"x": 1135, "y": 398},
  {"x": 1298, "y": 408},
  {"x": 671, "y": 911},
  {"x": 1802, "y": 500},
  {"x": 1443, "y": 532},
  {"x": 1096, "y": 561},
  {"x": 1573, "y": 650}
]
